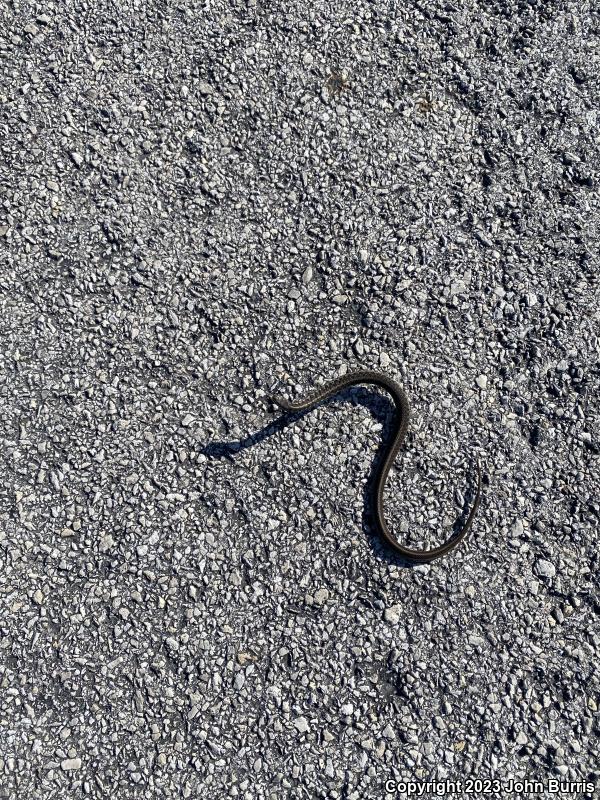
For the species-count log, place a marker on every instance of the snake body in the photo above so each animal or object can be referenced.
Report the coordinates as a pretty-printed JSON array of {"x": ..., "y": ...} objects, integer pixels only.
[{"x": 402, "y": 416}]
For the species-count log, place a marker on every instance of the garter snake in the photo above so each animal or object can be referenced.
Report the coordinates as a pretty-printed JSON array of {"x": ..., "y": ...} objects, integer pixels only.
[{"x": 402, "y": 415}]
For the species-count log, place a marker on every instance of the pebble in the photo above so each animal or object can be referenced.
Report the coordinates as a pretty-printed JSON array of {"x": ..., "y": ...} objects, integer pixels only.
[
  {"x": 106, "y": 542},
  {"x": 321, "y": 596},
  {"x": 301, "y": 725},
  {"x": 544, "y": 569},
  {"x": 70, "y": 764},
  {"x": 389, "y": 732},
  {"x": 307, "y": 275},
  {"x": 393, "y": 614}
]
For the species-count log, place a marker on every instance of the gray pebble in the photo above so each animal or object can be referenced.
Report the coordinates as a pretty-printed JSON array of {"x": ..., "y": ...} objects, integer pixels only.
[
  {"x": 544, "y": 569},
  {"x": 301, "y": 724},
  {"x": 70, "y": 764},
  {"x": 393, "y": 614}
]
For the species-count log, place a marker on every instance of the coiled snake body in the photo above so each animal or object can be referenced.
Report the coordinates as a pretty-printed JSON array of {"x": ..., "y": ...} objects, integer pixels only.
[{"x": 402, "y": 408}]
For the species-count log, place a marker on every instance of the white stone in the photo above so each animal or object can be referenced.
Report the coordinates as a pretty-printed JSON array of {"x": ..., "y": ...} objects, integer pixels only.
[
  {"x": 392, "y": 614},
  {"x": 301, "y": 724},
  {"x": 545, "y": 569},
  {"x": 70, "y": 764}
]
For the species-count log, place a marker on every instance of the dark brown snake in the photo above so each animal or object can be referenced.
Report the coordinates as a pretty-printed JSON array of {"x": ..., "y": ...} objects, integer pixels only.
[{"x": 402, "y": 416}]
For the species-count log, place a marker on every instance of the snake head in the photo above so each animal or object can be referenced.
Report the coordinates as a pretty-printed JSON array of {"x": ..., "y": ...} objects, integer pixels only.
[{"x": 280, "y": 402}]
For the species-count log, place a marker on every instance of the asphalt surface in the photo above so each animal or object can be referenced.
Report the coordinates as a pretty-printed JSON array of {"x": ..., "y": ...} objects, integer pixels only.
[{"x": 204, "y": 202}]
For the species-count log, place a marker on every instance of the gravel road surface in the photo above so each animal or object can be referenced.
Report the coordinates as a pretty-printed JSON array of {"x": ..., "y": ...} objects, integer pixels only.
[{"x": 203, "y": 202}]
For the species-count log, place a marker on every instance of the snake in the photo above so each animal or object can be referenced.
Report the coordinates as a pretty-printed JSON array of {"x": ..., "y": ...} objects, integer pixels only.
[{"x": 401, "y": 426}]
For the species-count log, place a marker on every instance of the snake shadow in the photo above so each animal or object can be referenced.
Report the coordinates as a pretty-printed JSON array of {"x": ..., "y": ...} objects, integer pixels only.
[{"x": 383, "y": 410}]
